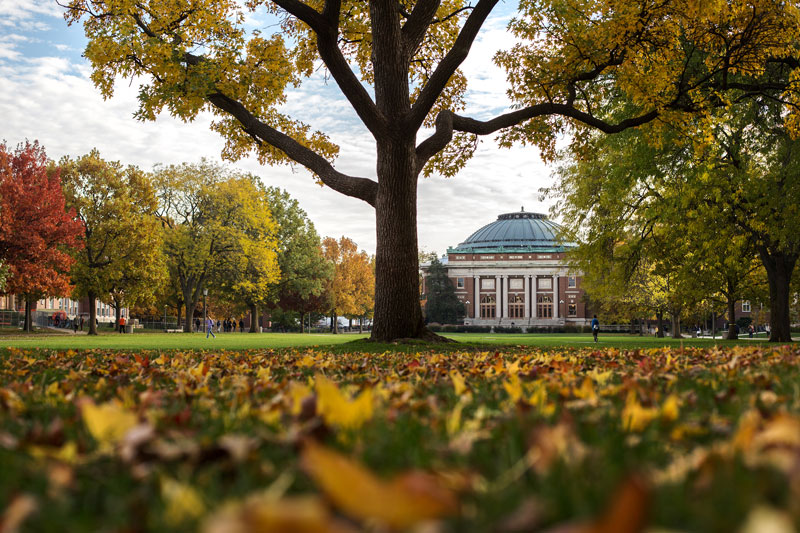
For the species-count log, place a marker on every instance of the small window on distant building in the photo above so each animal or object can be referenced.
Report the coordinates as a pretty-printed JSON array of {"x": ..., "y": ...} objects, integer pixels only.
[
  {"x": 572, "y": 310},
  {"x": 459, "y": 283},
  {"x": 745, "y": 306},
  {"x": 572, "y": 282}
]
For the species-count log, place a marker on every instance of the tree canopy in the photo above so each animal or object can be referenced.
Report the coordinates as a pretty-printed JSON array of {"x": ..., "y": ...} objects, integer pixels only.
[
  {"x": 120, "y": 261},
  {"x": 577, "y": 65},
  {"x": 37, "y": 232}
]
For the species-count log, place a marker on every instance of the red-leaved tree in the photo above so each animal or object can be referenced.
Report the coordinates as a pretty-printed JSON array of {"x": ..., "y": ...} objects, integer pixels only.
[{"x": 36, "y": 231}]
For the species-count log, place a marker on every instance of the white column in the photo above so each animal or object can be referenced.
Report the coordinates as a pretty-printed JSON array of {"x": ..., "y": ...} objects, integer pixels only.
[
  {"x": 497, "y": 294},
  {"x": 555, "y": 296},
  {"x": 504, "y": 304},
  {"x": 527, "y": 296},
  {"x": 477, "y": 291},
  {"x": 533, "y": 296}
]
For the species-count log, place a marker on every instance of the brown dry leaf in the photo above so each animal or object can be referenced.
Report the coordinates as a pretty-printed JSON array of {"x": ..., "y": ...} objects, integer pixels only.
[
  {"x": 626, "y": 513},
  {"x": 550, "y": 443},
  {"x": 399, "y": 503},
  {"x": 17, "y": 511},
  {"x": 306, "y": 514}
]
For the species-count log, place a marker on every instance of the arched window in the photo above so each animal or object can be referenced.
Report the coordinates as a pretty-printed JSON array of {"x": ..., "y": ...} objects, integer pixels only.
[
  {"x": 516, "y": 305},
  {"x": 488, "y": 306},
  {"x": 544, "y": 306}
]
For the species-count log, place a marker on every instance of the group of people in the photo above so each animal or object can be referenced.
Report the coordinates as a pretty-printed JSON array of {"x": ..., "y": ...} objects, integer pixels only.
[{"x": 227, "y": 326}]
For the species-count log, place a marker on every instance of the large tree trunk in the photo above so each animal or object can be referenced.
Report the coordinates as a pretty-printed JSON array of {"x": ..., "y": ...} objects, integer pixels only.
[
  {"x": 92, "y": 313},
  {"x": 397, "y": 311},
  {"x": 253, "y": 318},
  {"x": 732, "y": 319},
  {"x": 28, "y": 315},
  {"x": 675, "y": 319},
  {"x": 178, "y": 324},
  {"x": 779, "y": 268},
  {"x": 117, "y": 314}
]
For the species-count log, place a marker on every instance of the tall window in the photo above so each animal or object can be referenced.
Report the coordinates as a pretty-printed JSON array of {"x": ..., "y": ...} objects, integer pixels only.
[
  {"x": 544, "y": 306},
  {"x": 572, "y": 282},
  {"x": 572, "y": 310},
  {"x": 459, "y": 283},
  {"x": 488, "y": 306},
  {"x": 516, "y": 305},
  {"x": 745, "y": 306}
]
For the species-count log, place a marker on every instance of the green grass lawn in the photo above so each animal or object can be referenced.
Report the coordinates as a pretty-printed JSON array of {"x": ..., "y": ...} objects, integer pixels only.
[{"x": 245, "y": 341}]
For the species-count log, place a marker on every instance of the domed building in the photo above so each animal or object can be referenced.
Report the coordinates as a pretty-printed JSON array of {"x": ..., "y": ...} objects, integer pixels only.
[{"x": 513, "y": 271}]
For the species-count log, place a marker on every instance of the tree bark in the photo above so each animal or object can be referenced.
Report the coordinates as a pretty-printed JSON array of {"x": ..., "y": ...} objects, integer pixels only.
[
  {"x": 676, "y": 325},
  {"x": 180, "y": 308},
  {"x": 732, "y": 335},
  {"x": 779, "y": 266},
  {"x": 28, "y": 315},
  {"x": 397, "y": 310},
  {"x": 191, "y": 305},
  {"x": 92, "y": 313},
  {"x": 253, "y": 318}
]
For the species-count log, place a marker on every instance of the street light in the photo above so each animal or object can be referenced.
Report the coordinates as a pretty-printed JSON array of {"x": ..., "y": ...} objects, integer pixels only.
[
  {"x": 205, "y": 313},
  {"x": 564, "y": 308}
]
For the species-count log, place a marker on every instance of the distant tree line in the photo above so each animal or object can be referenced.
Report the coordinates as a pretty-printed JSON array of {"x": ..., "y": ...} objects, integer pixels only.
[{"x": 87, "y": 227}]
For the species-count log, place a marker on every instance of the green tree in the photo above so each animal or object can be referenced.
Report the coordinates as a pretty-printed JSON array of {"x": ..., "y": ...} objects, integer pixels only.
[
  {"x": 218, "y": 233},
  {"x": 304, "y": 270},
  {"x": 248, "y": 271},
  {"x": 442, "y": 305},
  {"x": 121, "y": 253},
  {"x": 574, "y": 60}
]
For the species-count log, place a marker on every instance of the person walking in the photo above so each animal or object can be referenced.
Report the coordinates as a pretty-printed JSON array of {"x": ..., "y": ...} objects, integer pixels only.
[
  {"x": 209, "y": 328},
  {"x": 595, "y": 327},
  {"x": 81, "y": 322},
  {"x": 241, "y": 325}
]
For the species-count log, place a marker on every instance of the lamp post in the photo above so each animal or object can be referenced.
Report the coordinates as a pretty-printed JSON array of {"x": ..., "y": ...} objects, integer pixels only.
[
  {"x": 466, "y": 311},
  {"x": 564, "y": 309},
  {"x": 205, "y": 312}
]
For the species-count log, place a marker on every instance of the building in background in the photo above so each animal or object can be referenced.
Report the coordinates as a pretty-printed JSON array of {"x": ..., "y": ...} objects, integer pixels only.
[{"x": 513, "y": 271}]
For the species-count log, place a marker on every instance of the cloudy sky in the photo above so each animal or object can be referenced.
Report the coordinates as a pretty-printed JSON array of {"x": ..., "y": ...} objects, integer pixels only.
[{"x": 46, "y": 94}]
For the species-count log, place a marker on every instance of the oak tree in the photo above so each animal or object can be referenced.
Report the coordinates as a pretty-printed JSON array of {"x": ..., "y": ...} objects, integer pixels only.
[
  {"x": 397, "y": 63},
  {"x": 38, "y": 234}
]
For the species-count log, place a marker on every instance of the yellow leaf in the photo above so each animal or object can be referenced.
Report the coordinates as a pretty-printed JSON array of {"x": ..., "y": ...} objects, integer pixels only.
[
  {"x": 298, "y": 392},
  {"x": 108, "y": 423},
  {"x": 302, "y": 514},
  {"x": 458, "y": 382},
  {"x": 182, "y": 502},
  {"x": 337, "y": 409},
  {"x": 513, "y": 387},
  {"x": 399, "y": 503},
  {"x": 635, "y": 417},
  {"x": 671, "y": 408}
]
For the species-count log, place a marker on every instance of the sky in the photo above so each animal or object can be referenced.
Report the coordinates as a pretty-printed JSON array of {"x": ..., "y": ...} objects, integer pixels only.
[{"x": 46, "y": 94}]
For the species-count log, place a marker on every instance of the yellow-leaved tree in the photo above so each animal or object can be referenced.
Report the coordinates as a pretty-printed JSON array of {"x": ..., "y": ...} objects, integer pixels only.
[
  {"x": 578, "y": 64},
  {"x": 351, "y": 288}
]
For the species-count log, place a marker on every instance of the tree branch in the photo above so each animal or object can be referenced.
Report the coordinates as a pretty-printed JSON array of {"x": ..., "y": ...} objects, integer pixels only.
[
  {"x": 326, "y": 26},
  {"x": 417, "y": 24},
  {"x": 361, "y": 188},
  {"x": 447, "y": 122},
  {"x": 450, "y": 63}
]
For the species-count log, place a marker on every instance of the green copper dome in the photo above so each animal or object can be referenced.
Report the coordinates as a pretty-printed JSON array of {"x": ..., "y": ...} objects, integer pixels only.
[{"x": 515, "y": 232}]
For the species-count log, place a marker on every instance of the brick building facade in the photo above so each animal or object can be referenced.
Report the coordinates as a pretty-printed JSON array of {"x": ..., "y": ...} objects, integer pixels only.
[{"x": 513, "y": 271}]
